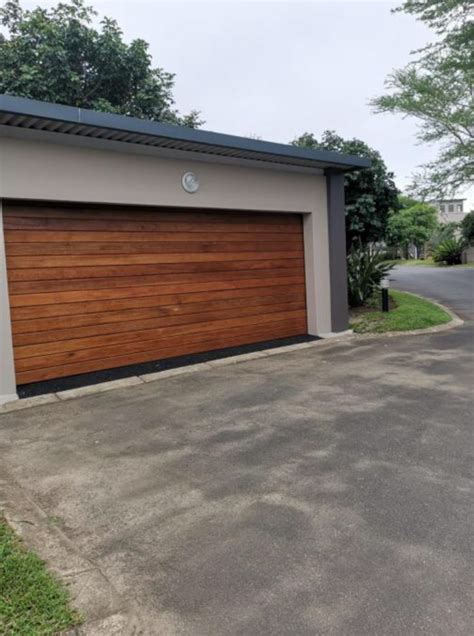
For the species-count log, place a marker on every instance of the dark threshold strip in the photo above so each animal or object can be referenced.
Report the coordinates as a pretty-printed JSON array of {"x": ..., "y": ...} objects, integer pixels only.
[{"x": 96, "y": 377}]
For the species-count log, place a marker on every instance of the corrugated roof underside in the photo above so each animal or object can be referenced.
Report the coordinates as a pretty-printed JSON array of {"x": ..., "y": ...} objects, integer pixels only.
[{"x": 83, "y": 130}]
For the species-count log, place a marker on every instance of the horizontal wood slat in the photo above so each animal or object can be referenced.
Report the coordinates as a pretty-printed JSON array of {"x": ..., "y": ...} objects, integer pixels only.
[
  {"x": 139, "y": 213},
  {"x": 94, "y": 288},
  {"x": 137, "y": 259},
  {"x": 111, "y": 236},
  {"x": 150, "y": 247},
  {"x": 117, "y": 271},
  {"x": 133, "y": 225},
  {"x": 26, "y": 287}
]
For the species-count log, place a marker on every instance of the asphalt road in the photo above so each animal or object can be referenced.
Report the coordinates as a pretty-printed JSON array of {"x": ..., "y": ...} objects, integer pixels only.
[
  {"x": 323, "y": 491},
  {"x": 453, "y": 286}
]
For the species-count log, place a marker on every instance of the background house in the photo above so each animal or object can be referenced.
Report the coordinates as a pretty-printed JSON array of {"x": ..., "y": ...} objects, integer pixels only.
[{"x": 449, "y": 210}]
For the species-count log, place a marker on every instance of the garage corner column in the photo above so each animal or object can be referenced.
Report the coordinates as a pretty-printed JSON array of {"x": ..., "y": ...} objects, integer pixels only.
[
  {"x": 337, "y": 251},
  {"x": 7, "y": 367}
]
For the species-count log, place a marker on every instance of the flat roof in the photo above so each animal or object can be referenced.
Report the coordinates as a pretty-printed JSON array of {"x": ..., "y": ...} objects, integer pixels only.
[{"x": 20, "y": 112}]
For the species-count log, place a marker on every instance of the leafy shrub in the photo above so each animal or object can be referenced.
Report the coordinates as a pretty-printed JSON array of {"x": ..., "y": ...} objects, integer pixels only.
[
  {"x": 467, "y": 227},
  {"x": 444, "y": 232},
  {"x": 449, "y": 252},
  {"x": 365, "y": 270}
]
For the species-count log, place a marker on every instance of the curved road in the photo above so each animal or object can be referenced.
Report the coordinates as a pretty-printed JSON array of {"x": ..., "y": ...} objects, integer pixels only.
[{"x": 453, "y": 286}]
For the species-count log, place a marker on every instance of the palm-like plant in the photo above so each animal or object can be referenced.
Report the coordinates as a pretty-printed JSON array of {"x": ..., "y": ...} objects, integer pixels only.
[
  {"x": 449, "y": 252},
  {"x": 365, "y": 270}
]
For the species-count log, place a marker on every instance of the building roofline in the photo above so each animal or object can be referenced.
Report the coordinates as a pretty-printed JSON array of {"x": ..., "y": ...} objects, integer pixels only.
[{"x": 26, "y": 113}]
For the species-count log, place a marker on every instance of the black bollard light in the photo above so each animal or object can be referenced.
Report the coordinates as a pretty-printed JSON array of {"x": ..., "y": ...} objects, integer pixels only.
[{"x": 384, "y": 285}]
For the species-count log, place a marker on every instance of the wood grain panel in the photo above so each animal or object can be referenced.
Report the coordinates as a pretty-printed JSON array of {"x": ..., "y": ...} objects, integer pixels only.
[
  {"x": 94, "y": 288},
  {"x": 114, "y": 271},
  {"x": 26, "y": 287},
  {"x": 237, "y": 306},
  {"x": 35, "y": 236},
  {"x": 81, "y": 296},
  {"x": 72, "y": 309},
  {"x": 125, "y": 323}
]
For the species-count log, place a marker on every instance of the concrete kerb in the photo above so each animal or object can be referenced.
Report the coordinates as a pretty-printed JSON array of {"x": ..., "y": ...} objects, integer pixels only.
[
  {"x": 455, "y": 321},
  {"x": 70, "y": 394},
  {"x": 92, "y": 594}
]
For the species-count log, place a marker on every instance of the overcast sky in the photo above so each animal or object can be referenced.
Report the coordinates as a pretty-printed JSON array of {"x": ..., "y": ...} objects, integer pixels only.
[{"x": 278, "y": 69}]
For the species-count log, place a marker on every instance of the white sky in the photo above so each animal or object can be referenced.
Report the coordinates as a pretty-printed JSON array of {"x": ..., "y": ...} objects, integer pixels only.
[{"x": 278, "y": 69}]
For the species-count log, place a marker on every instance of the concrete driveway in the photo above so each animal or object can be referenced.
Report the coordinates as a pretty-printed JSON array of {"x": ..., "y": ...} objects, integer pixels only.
[{"x": 324, "y": 491}]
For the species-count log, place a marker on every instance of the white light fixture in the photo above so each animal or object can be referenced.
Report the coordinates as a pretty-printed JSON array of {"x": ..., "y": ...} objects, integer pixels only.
[
  {"x": 190, "y": 182},
  {"x": 385, "y": 283}
]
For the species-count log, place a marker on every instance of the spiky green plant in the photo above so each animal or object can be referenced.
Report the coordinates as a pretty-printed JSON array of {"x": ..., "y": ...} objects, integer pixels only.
[
  {"x": 365, "y": 270},
  {"x": 449, "y": 252}
]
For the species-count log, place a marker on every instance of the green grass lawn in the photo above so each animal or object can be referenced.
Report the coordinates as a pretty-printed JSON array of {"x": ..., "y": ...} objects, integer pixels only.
[
  {"x": 412, "y": 262},
  {"x": 31, "y": 600},
  {"x": 410, "y": 312},
  {"x": 427, "y": 262}
]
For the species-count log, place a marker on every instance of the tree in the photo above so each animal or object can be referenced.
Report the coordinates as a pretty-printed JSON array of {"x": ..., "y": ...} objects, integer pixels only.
[
  {"x": 437, "y": 88},
  {"x": 370, "y": 194},
  {"x": 467, "y": 227},
  {"x": 57, "y": 55},
  {"x": 412, "y": 226}
]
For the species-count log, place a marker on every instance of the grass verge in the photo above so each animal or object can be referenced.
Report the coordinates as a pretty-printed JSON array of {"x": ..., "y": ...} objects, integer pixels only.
[
  {"x": 410, "y": 312},
  {"x": 32, "y": 601},
  {"x": 412, "y": 262},
  {"x": 427, "y": 262}
]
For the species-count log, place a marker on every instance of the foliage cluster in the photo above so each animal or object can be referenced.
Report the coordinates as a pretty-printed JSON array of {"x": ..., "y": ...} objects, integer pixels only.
[
  {"x": 467, "y": 227},
  {"x": 370, "y": 194},
  {"x": 449, "y": 252},
  {"x": 366, "y": 268},
  {"x": 412, "y": 225},
  {"x": 436, "y": 88},
  {"x": 57, "y": 55}
]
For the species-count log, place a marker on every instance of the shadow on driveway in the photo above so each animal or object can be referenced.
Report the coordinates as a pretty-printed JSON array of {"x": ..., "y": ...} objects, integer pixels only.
[{"x": 324, "y": 491}]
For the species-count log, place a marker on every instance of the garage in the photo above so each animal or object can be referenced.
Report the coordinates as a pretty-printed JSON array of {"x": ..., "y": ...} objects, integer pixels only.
[
  {"x": 125, "y": 242},
  {"x": 93, "y": 289}
]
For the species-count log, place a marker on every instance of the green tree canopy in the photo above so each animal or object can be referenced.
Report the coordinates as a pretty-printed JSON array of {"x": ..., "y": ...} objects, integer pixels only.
[
  {"x": 436, "y": 88},
  {"x": 57, "y": 55},
  {"x": 412, "y": 225},
  {"x": 467, "y": 227},
  {"x": 370, "y": 194}
]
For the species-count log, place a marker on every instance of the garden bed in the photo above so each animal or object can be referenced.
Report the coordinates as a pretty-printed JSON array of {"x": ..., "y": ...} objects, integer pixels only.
[{"x": 408, "y": 312}]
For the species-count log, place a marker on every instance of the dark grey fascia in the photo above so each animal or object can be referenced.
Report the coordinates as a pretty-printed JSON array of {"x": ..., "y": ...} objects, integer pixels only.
[{"x": 27, "y": 113}]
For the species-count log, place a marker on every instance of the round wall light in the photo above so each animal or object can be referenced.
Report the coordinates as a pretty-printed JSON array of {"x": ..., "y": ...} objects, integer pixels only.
[{"x": 190, "y": 182}]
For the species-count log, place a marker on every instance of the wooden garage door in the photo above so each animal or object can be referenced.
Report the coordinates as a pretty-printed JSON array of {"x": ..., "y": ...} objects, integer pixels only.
[{"x": 97, "y": 288}]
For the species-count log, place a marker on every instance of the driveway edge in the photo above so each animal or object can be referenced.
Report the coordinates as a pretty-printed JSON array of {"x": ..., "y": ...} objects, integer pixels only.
[
  {"x": 92, "y": 389},
  {"x": 92, "y": 594}
]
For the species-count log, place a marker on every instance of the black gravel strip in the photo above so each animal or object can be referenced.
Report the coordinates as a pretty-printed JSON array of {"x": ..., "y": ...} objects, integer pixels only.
[{"x": 96, "y": 377}]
